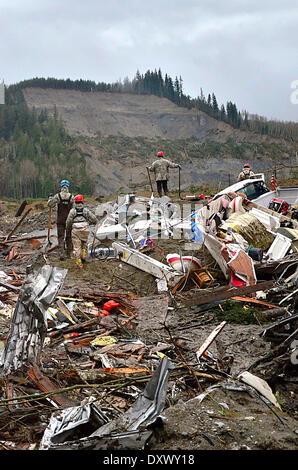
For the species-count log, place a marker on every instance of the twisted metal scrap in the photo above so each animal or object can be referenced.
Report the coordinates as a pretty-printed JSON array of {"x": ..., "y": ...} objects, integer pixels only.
[{"x": 29, "y": 323}]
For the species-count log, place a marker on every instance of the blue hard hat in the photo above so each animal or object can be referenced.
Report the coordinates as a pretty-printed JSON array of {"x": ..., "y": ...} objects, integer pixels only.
[{"x": 64, "y": 183}]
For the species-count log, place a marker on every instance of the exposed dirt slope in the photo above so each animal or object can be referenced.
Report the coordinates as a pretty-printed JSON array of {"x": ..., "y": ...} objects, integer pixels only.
[
  {"x": 90, "y": 113},
  {"x": 119, "y": 134}
]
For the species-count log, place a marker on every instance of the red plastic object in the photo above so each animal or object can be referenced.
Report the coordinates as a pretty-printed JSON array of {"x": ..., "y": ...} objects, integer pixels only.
[
  {"x": 109, "y": 305},
  {"x": 71, "y": 335},
  {"x": 103, "y": 313}
]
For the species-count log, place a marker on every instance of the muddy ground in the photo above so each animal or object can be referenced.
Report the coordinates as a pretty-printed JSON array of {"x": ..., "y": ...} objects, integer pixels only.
[{"x": 224, "y": 419}]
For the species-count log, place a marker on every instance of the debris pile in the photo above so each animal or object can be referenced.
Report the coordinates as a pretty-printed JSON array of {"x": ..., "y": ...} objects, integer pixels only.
[{"x": 207, "y": 359}]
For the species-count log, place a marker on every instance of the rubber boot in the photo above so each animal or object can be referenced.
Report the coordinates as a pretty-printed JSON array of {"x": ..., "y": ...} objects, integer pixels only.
[
  {"x": 68, "y": 247},
  {"x": 62, "y": 254},
  {"x": 83, "y": 255},
  {"x": 79, "y": 263}
]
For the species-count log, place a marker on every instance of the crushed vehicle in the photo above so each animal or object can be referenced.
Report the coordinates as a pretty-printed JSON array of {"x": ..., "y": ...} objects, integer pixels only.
[{"x": 282, "y": 199}]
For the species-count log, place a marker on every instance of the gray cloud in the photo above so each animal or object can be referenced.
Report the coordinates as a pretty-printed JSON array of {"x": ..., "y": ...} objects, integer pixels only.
[{"x": 242, "y": 50}]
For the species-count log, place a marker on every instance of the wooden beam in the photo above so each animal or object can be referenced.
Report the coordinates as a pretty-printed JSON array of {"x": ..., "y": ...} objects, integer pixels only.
[{"x": 203, "y": 298}]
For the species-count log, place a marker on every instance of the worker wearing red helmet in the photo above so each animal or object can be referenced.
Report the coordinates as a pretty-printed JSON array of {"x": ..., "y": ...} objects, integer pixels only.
[
  {"x": 77, "y": 224},
  {"x": 160, "y": 167},
  {"x": 246, "y": 173}
]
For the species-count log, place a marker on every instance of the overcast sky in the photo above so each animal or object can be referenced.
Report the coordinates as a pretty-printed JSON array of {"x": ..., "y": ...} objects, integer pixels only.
[{"x": 245, "y": 51}]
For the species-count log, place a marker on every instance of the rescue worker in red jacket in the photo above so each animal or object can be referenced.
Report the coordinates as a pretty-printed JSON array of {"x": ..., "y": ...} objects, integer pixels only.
[{"x": 64, "y": 201}]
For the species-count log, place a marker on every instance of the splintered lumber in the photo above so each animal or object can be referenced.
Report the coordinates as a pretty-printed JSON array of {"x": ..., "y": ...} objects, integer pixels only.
[
  {"x": 65, "y": 310},
  {"x": 52, "y": 248},
  {"x": 45, "y": 385},
  {"x": 18, "y": 224},
  {"x": 202, "y": 349},
  {"x": 74, "y": 328},
  {"x": 9, "y": 286},
  {"x": 217, "y": 295}
]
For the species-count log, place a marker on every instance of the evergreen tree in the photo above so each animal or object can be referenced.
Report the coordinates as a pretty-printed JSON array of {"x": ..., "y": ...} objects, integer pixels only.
[{"x": 214, "y": 104}]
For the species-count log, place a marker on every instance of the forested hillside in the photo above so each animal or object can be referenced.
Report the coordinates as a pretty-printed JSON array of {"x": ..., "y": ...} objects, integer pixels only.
[
  {"x": 154, "y": 83},
  {"x": 35, "y": 153}
]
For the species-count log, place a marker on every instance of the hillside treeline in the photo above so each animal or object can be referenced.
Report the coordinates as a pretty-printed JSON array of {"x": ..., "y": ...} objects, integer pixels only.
[
  {"x": 153, "y": 82},
  {"x": 36, "y": 153}
]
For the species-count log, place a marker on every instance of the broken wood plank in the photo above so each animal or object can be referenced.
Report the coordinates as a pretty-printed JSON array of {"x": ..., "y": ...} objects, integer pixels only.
[
  {"x": 13, "y": 252},
  {"x": 28, "y": 237},
  {"x": 45, "y": 385},
  {"x": 74, "y": 328},
  {"x": 202, "y": 349},
  {"x": 9, "y": 286},
  {"x": 18, "y": 224},
  {"x": 65, "y": 310},
  {"x": 21, "y": 209},
  {"x": 200, "y": 298}
]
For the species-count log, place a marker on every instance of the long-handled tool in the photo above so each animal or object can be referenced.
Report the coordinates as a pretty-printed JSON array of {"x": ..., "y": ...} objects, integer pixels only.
[
  {"x": 150, "y": 179},
  {"x": 48, "y": 243},
  {"x": 190, "y": 197},
  {"x": 94, "y": 236},
  {"x": 179, "y": 181}
]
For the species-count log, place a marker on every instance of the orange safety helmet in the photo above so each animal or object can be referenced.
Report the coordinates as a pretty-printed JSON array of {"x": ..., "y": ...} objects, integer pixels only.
[{"x": 79, "y": 198}]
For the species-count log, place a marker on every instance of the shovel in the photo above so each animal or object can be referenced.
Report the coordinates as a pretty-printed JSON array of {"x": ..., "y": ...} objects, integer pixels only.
[
  {"x": 48, "y": 243},
  {"x": 180, "y": 197},
  {"x": 150, "y": 179}
]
